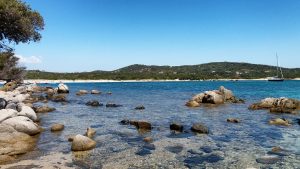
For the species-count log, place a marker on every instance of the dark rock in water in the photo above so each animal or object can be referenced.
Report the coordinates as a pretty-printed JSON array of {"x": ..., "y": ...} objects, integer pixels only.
[
  {"x": 43, "y": 109},
  {"x": 282, "y": 110},
  {"x": 140, "y": 107},
  {"x": 176, "y": 127},
  {"x": 57, "y": 127},
  {"x": 149, "y": 146},
  {"x": 141, "y": 125},
  {"x": 57, "y": 97},
  {"x": 93, "y": 103},
  {"x": 206, "y": 149},
  {"x": 198, "y": 160},
  {"x": 233, "y": 120},
  {"x": 3, "y": 103},
  {"x": 113, "y": 105},
  {"x": 174, "y": 149},
  {"x": 269, "y": 159},
  {"x": 125, "y": 122},
  {"x": 199, "y": 128},
  {"x": 143, "y": 152},
  {"x": 148, "y": 139},
  {"x": 95, "y": 92},
  {"x": 298, "y": 121},
  {"x": 278, "y": 151}
]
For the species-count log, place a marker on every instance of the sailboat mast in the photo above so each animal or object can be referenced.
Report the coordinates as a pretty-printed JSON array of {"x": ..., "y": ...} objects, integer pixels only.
[{"x": 277, "y": 64}]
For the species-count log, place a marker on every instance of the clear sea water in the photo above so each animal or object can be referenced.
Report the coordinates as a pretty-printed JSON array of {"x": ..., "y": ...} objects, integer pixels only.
[{"x": 226, "y": 146}]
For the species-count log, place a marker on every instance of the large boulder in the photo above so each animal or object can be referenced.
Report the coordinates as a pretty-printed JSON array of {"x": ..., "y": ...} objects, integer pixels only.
[
  {"x": 3, "y": 103},
  {"x": 82, "y": 143},
  {"x": 62, "y": 88},
  {"x": 7, "y": 113},
  {"x": 220, "y": 96},
  {"x": 13, "y": 142},
  {"x": 28, "y": 112},
  {"x": 281, "y": 105},
  {"x": 280, "y": 121},
  {"x": 23, "y": 124},
  {"x": 10, "y": 86}
]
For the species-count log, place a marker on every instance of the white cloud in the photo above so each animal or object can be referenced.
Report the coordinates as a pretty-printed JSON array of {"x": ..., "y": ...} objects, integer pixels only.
[{"x": 29, "y": 59}]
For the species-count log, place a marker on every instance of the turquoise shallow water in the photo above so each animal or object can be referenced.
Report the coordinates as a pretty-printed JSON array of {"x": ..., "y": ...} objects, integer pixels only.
[{"x": 227, "y": 146}]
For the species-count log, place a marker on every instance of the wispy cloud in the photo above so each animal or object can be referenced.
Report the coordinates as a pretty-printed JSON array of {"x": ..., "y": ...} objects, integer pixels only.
[{"x": 29, "y": 59}]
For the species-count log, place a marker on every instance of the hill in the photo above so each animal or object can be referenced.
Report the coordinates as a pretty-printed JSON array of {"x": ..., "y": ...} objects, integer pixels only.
[{"x": 214, "y": 70}]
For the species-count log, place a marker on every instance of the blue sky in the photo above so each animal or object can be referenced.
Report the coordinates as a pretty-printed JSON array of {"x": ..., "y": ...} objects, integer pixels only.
[{"x": 85, "y": 35}]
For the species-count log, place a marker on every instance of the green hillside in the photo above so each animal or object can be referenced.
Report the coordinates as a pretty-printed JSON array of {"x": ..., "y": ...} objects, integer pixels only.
[{"x": 215, "y": 70}]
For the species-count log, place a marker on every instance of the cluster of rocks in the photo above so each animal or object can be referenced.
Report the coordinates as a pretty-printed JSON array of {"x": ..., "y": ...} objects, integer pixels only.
[
  {"x": 84, "y": 92},
  {"x": 17, "y": 122},
  {"x": 278, "y": 105},
  {"x": 220, "y": 96}
]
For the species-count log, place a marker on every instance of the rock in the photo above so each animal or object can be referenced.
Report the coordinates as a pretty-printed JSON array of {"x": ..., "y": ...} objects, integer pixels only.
[
  {"x": 94, "y": 103},
  {"x": 148, "y": 139},
  {"x": 15, "y": 143},
  {"x": 212, "y": 97},
  {"x": 57, "y": 127},
  {"x": 82, "y": 143},
  {"x": 198, "y": 98},
  {"x": 27, "y": 112},
  {"x": 199, "y": 128},
  {"x": 268, "y": 159},
  {"x": 227, "y": 94},
  {"x": 10, "y": 86},
  {"x": 3, "y": 103},
  {"x": 233, "y": 120},
  {"x": 113, "y": 105},
  {"x": 282, "y": 110},
  {"x": 279, "y": 151},
  {"x": 23, "y": 124},
  {"x": 143, "y": 125},
  {"x": 95, "y": 92},
  {"x": 298, "y": 121},
  {"x": 82, "y": 92},
  {"x": 109, "y": 93},
  {"x": 176, "y": 127},
  {"x": 90, "y": 132},
  {"x": 277, "y": 104},
  {"x": 71, "y": 138},
  {"x": 44, "y": 109},
  {"x": 7, "y": 113},
  {"x": 141, "y": 107},
  {"x": 12, "y": 106},
  {"x": 280, "y": 121},
  {"x": 62, "y": 88},
  {"x": 125, "y": 122},
  {"x": 192, "y": 103},
  {"x": 57, "y": 98}
]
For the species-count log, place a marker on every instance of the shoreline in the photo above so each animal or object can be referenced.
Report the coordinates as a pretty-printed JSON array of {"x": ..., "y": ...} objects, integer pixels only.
[{"x": 143, "y": 80}]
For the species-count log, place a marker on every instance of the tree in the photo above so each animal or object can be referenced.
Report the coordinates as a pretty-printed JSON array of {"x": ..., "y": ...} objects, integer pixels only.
[{"x": 18, "y": 24}]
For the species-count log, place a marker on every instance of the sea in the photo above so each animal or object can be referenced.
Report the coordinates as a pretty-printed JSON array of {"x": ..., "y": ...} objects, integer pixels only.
[{"x": 247, "y": 144}]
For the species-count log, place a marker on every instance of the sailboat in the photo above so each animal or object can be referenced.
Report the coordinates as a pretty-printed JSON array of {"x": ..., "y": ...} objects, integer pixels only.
[{"x": 277, "y": 78}]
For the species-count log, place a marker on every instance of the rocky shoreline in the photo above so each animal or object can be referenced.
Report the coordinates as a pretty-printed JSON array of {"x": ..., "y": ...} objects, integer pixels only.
[{"x": 19, "y": 117}]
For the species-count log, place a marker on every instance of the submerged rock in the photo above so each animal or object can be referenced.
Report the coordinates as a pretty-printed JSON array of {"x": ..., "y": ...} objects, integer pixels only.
[
  {"x": 57, "y": 98},
  {"x": 82, "y": 92},
  {"x": 44, "y": 109},
  {"x": 268, "y": 159},
  {"x": 57, "y": 127},
  {"x": 199, "y": 128},
  {"x": 148, "y": 139},
  {"x": 90, "y": 132},
  {"x": 176, "y": 127},
  {"x": 82, "y": 143},
  {"x": 280, "y": 121},
  {"x": 143, "y": 125},
  {"x": 94, "y": 103},
  {"x": 141, "y": 107},
  {"x": 233, "y": 120},
  {"x": 95, "y": 92},
  {"x": 282, "y": 110},
  {"x": 113, "y": 105}
]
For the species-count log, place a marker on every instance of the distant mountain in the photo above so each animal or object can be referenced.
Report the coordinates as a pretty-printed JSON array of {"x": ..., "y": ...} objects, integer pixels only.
[{"x": 214, "y": 70}]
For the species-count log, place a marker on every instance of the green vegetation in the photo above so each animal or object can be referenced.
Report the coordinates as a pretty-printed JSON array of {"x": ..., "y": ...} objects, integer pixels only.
[
  {"x": 216, "y": 70},
  {"x": 19, "y": 24}
]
